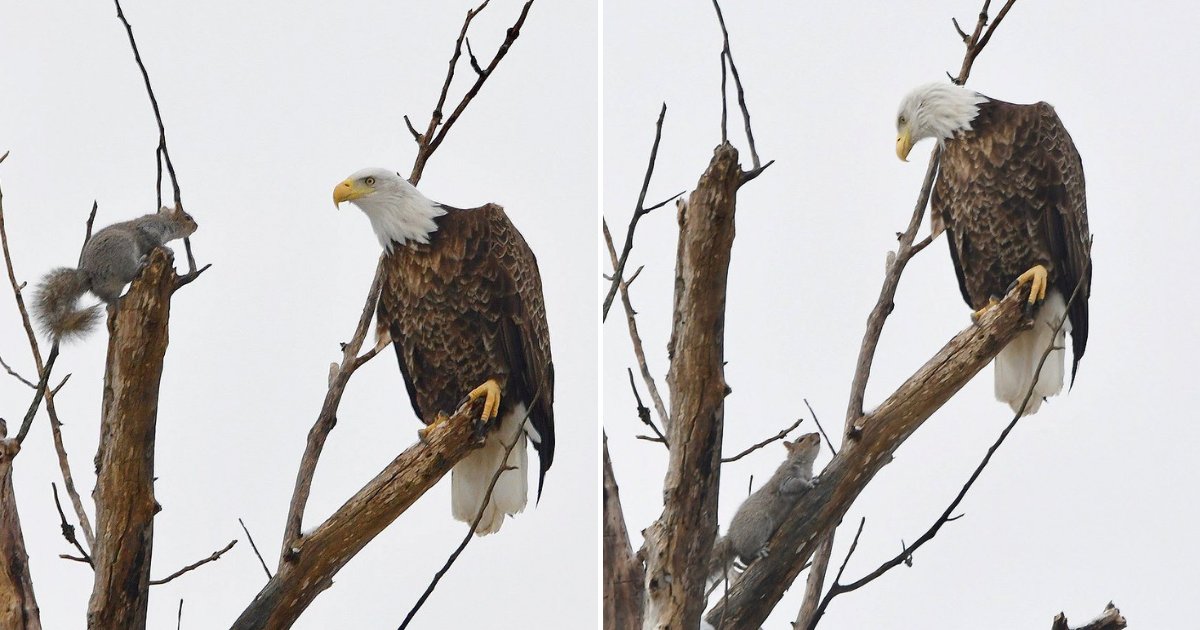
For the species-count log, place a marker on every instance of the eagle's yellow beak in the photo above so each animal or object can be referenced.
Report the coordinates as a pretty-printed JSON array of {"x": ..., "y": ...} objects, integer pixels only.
[
  {"x": 349, "y": 190},
  {"x": 904, "y": 143}
]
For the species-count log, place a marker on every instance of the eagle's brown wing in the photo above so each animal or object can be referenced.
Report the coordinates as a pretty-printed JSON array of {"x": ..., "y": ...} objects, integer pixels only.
[
  {"x": 468, "y": 307},
  {"x": 1066, "y": 221},
  {"x": 524, "y": 330}
]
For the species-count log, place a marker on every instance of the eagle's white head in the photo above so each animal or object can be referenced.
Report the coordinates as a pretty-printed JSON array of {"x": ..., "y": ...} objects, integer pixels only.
[
  {"x": 934, "y": 110},
  {"x": 399, "y": 213}
]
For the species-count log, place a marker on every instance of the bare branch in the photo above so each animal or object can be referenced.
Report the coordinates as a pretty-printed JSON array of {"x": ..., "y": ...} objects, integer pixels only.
[
  {"x": 774, "y": 438},
  {"x": 216, "y": 555},
  {"x": 437, "y": 130},
  {"x": 162, "y": 154},
  {"x": 643, "y": 412},
  {"x": 68, "y": 530},
  {"x": 255, "y": 548},
  {"x": 635, "y": 338},
  {"x": 15, "y": 375},
  {"x": 820, "y": 428},
  {"x": 727, "y": 54},
  {"x": 639, "y": 211},
  {"x": 623, "y": 572},
  {"x": 326, "y": 419},
  {"x": 487, "y": 496}
]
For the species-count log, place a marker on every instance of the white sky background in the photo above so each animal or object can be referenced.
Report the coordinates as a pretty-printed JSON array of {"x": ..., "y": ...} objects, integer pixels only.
[
  {"x": 1090, "y": 500},
  {"x": 267, "y": 107}
]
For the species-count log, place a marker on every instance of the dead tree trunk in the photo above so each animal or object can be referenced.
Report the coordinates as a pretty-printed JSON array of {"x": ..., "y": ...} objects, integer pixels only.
[
  {"x": 18, "y": 607},
  {"x": 679, "y": 542},
  {"x": 623, "y": 572},
  {"x": 124, "y": 494}
]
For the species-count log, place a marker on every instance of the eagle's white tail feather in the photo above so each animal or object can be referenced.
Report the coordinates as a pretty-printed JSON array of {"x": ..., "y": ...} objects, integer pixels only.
[
  {"x": 1018, "y": 361},
  {"x": 470, "y": 478}
]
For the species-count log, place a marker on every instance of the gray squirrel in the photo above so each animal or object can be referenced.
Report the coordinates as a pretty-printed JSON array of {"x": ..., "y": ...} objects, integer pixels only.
[
  {"x": 111, "y": 259},
  {"x": 764, "y": 510}
]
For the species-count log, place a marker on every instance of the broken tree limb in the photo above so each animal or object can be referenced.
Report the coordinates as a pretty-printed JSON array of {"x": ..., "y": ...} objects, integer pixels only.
[{"x": 883, "y": 430}]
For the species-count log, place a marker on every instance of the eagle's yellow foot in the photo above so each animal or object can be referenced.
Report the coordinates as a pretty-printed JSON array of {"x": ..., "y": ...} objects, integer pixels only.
[
  {"x": 441, "y": 417},
  {"x": 490, "y": 391},
  {"x": 1039, "y": 278},
  {"x": 975, "y": 315}
]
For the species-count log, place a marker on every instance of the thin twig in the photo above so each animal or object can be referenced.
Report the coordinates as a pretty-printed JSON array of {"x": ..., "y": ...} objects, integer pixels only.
[
  {"x": 255, "y": 548},
  {"x": 216, "y": 555},
  {"x": 68, "y": 530},
  {"x": 16, "y": 375},
  {"x": 162, "y": 154},
  {"x": 635, "y": 337},
  {"x": 643, "y": 412},
  {"x": 727, "y": 53},
  {"x": 487, "y": 497},
  {"x": 60, "y": 450},
  {"x": 821, "y": 428},
  {"x": 778, "y": 436},
  {"x": 639, "y": 211},
  {"x": 38, "y": 394},
  {"x": 437, "y": 130},
  {"x": 179, "y": 615}
]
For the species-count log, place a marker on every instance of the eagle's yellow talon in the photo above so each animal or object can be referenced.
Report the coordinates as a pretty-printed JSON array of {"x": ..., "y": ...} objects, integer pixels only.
[
  {"x": 987, "y": 307},
  {"x": 490, "y": 390},
  {"x": 423, "y": 431},
  {"x": 1039, "y": 277}
]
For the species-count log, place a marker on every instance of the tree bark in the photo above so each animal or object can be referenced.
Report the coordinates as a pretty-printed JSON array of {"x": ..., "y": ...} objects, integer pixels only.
[
  {"x": 679, "y": 543},
  {"x": 882, "y": 432},
  {"x": 309, "y": 565},
  {"x": 1110, "y": 619},
  {"x": 124, "y": 494},
  {"x": 18, "y": 606},
  {"x": 623, "y": 573}
]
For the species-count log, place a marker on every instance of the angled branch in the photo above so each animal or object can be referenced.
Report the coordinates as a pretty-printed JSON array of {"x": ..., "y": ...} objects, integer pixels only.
[
  {"x": 213, "y": 557},
  {"x": 162, "y": 154},
  {"x": 437, "y": 129},
  {"x": 639, "y": 211},
  {"x": 255, "y": 548},
  {"x": 774, "y": 438},
  {"x": 624, "y": 575}
]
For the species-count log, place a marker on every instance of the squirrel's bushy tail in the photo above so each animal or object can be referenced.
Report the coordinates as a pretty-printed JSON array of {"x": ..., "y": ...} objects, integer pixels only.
[
  {"x": 719, "y": 562},
  {"x": 54, "y": 304}
]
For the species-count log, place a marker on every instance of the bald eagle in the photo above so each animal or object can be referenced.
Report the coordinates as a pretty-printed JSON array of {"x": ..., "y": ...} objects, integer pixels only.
[
  {"x": 1010, "y": 196},
  {"x": 461, "y": 301}
]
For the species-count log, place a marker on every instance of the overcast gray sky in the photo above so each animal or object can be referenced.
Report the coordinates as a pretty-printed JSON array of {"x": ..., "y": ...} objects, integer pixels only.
[
  {"x": 268, "y": 105},
  {"x": 1090, "y": 500}
]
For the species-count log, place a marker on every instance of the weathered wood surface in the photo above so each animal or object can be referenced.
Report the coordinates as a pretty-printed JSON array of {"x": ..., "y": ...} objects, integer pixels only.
[
  {"x": 678, "y": 544},
  {"x": 124, "y": 493}
]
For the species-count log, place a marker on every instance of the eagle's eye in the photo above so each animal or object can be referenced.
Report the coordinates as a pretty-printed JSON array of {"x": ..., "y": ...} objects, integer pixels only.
[
  {"x": 901, "y": 121},
  {"x": 370, "y": 181}
]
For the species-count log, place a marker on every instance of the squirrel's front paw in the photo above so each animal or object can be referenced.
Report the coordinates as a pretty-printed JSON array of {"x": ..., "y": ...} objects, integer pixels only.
[{"x": 762, "y": 553}]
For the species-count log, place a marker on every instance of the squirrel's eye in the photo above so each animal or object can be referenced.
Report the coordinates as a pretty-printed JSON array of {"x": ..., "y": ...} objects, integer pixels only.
[{"x": 370, "y": 181}]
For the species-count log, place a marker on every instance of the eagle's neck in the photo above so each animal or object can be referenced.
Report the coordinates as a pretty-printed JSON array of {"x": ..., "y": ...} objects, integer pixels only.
[
  {"x": 402, "y": 216},
  {"x": 951, "y": 112}
]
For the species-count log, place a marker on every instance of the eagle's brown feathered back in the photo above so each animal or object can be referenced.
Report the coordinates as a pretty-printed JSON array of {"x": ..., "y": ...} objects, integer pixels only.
[
  {"x": 467, "y": 307},
  {"x": 1010, "y": 193}
]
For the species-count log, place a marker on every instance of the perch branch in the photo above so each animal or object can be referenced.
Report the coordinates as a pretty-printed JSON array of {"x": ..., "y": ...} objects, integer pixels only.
[
  {"x": 487, "y": 496},
  {"x": 885, "y": 303},
  {"x": 623, "y": 573},
  {"x": 948, "y": 514}
]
